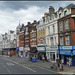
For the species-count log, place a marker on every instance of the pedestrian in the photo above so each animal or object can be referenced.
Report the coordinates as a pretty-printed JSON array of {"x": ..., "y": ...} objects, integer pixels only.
[
  {"x": 43, "y": 58},
  {"x": 67, "y": 61},
  {"x": 47, "y": 59},
  {"x": 58, "y": 62},
  {"x": 61, "y": 65}
]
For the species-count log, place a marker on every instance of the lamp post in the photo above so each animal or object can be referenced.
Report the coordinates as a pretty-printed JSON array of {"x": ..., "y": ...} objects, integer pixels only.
[
  {"x": 59, "y": 51},
  {"x": 24, "y": 38}
]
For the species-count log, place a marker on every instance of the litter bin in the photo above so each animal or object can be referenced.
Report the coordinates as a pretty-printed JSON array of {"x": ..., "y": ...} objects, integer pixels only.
[{"x": 34, "y": 59}]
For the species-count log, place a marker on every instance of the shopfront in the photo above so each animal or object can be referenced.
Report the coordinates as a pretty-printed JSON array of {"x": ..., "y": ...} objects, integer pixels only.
[
  {"x": 21, "y": 52},
  {"x": 41, "y": 52},
  {"x": 26, "y": 50},
  {"x": 51, "y": 53},
  {"x": 67, "y": 52},
  {"x": 33, "y": 52}
]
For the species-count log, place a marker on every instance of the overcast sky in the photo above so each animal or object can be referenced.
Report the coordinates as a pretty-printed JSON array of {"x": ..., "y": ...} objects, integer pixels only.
[{"x": 13, "y": 11}]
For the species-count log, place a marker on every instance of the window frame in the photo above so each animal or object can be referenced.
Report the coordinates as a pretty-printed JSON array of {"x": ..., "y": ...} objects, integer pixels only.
[
  {"x": 61, "y": 40},
  {"x": 66, "y": 24},
  {"x": 67, "y": 40}
]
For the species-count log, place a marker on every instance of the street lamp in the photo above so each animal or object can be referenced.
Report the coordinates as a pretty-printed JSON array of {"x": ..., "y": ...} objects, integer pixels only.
[
  {"x": 24, "y": 36},
  {"x": 59, "y": 51}
]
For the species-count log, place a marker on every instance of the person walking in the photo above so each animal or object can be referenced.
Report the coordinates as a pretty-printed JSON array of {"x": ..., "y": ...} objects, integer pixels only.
[
  {"x": 43, "y": 58},
  {"x": 58, "y": 63}
]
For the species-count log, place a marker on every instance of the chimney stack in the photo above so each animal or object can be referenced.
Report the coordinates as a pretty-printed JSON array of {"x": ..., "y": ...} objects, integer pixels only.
[
  {"x": 29, "y": 23},
  {"x": 34, "y": 21},
  {"x": 51, "y": 10}
]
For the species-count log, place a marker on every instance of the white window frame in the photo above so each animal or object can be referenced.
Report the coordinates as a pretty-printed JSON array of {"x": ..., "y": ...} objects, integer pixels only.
[
  {"x": 66, "y": 24},
  {"x": 65, "y": 13},
  {"x": 52, "y": 41},
  {"x": 61, "y": 41},
  {"x": 67, "y": 40},
  {"x": 61, "y": 26}
]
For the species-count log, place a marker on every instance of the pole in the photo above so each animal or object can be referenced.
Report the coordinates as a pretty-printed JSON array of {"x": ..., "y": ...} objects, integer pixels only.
[
  {"x": 59, "y": 51},
  {"x": 24, "y": 38}
]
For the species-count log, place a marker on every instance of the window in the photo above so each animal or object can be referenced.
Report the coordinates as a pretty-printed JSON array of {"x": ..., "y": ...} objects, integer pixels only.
[
  {"x": 52, "y": 56},
  {"x": 39, "y": 41},
  {"x": 60, "y": 15},
  {"x": 52, "y": 41},
  {"x": 48, "y": 40},
  {"x": 49, "y": 30},
  {"x": 43, "y": 40},
  {"x": 66, "y": 25},
  {"x": 53, "y": 29},
  {"x": 61, "y": 26},
  {"x": 61, "y": 40},
  {"x": 65, "y": 13},
  {"x": 55, "y": 40},
  {"x": 47, "y": 54},
  {"x": 67, "y": 40}
]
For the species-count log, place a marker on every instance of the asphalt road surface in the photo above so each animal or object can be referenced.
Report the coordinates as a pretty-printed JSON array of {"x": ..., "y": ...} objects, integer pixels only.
[{"x": 8, "y": 66}]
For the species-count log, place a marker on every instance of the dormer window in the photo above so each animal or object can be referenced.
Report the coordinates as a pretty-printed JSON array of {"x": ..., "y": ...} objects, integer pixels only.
[
  {"x": 60, "y": 15},
  {"x": 65, "y": 13}
]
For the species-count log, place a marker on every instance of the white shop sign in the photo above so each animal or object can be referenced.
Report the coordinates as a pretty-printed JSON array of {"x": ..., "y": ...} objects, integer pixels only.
[
  {"x": 52, "y": 48},
  {"x": 27, "y": 49},
  {"x": 21, "y": 48},
  {"x": 41, "y": 48}
]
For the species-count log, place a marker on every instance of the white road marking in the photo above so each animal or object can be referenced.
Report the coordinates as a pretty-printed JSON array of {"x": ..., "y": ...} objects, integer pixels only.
[
  {"x": 6, "y": 68},
  {"x": 20, "y": 65},
  {"x": 10, "y": 64}
]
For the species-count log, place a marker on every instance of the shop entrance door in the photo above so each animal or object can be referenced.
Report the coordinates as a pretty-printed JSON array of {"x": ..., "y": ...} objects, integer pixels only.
[{"x": 65, "y": 59}]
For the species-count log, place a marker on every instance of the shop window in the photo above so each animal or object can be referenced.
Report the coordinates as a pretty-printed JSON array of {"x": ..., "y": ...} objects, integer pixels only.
[
  {"x": 52, "y": 56},
  {"x": 47, "y": 54}
]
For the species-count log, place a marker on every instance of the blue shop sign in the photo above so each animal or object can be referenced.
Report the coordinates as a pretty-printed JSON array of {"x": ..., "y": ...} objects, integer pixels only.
[
  {"x": 73, "y": 47},
  {"x": 17, "y": 48},
  {"x": 67, "y": 47},
  {"x": 64, "y": 52}
]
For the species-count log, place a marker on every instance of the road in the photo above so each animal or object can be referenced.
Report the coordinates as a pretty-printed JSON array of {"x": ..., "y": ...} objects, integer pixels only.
[{"x": 8, "y": 66}]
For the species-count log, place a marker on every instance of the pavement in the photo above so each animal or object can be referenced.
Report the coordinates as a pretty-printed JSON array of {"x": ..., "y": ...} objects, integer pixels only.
[{"x": 46, "y": 65}]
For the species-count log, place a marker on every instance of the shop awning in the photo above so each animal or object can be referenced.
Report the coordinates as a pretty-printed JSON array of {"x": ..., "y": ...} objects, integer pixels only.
[{"x": 64, "y": 52}]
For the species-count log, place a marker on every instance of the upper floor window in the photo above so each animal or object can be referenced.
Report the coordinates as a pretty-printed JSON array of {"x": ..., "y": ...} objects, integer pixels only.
[
  {"x": 67, "y": 40},
  {"x": 53, "y": 29},
  {"x": 65, "y": 13},
  {"x": 66, "y": 25},
  {"x": 61, "y": 40},
  {"x": 48, "y": 41},
  {"x": 52, "y": 41},
  {"x": 43, "y": 40},
  {"x": 60, "y": 15},
  {"x": 49, "y": 30},
  {"x": 61, "y": 26}
]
